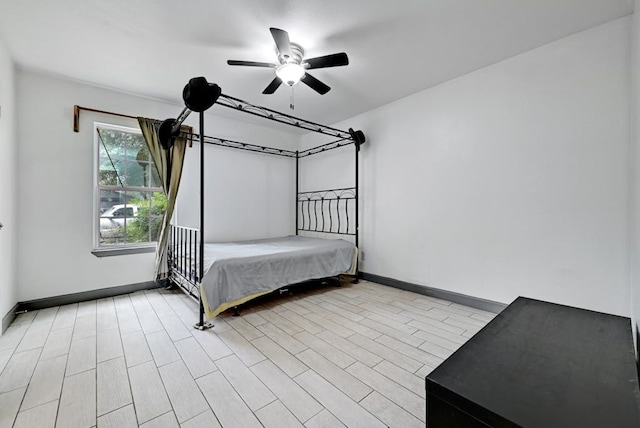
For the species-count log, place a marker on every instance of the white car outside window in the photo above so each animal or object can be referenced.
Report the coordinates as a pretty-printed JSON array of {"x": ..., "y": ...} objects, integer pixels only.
[{"x": 113, "y": 220}]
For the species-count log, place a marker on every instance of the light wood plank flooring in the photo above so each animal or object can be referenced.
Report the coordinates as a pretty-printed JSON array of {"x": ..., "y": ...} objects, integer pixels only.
[{"x": 325, "y": 356}]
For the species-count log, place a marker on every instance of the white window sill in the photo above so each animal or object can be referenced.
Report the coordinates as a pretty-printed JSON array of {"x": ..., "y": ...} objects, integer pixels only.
[{"x": 108, "y": 252}]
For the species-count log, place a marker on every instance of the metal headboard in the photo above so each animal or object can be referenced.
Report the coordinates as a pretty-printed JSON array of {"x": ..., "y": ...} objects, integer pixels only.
[{"x": 328, "y": 211}]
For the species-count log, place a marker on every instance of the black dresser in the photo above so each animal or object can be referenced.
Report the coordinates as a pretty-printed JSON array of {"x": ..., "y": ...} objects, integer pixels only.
[{"x": 539, "y": 364}]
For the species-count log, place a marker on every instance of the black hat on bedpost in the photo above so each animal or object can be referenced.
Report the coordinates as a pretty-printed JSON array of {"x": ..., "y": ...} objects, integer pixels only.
[
  {"x": 357, "y": 137},
  {"x": 165, "y": 135},
  {"x": 199, "y": 95}
]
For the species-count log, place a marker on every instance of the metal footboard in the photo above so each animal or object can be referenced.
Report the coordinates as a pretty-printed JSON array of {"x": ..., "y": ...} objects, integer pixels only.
[{"x": 183, "y": 257}]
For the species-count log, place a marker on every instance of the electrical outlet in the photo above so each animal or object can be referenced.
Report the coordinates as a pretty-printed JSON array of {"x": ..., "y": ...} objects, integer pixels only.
[{"x": 362, "y": 256}]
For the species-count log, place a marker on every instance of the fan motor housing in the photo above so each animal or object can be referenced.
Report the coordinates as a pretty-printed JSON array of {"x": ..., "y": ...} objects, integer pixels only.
[{"x": 297, "y": 53}]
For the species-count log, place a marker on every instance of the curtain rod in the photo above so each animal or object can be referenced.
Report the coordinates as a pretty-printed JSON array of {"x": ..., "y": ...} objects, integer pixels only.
[
  {"x": 76, "y": 118},
  {"x": 76, "y": 115}
]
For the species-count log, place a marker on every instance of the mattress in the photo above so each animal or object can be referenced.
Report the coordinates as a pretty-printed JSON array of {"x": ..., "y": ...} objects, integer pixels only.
[{"x": 235, "y": 272}]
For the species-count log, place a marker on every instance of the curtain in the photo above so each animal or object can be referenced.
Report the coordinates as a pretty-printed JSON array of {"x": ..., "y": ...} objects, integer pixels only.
[{"x": 169, "y": 167}]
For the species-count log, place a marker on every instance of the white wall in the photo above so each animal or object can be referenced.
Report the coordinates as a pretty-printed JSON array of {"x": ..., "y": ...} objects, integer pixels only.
[
  {"x": 56, "y": 194},
  {"x": 8, "y": 184},
  {"x": 508, "y": 181},
  {"x": 248, "y": 195}
]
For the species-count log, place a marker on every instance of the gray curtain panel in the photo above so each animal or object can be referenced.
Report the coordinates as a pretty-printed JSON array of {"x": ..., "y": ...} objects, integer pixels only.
[{"x": 170, "y": 180}]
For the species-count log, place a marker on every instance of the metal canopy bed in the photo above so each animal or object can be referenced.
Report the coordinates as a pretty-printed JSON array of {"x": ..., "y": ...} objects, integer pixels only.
[{"x": 224, "y": 275}]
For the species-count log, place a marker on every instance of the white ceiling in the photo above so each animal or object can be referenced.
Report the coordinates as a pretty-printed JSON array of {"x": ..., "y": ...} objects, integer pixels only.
[{"x": 396, "y": 47}]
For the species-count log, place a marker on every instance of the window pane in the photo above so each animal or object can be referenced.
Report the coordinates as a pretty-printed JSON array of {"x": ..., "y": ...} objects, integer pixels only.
[
  {"x": 111, "y": 225},
  {"x": 135, "y": 174},
  {"x": 145, "y": 225},
  {"x": 138, "y": 230},
  {"x": 112, "y": 143},
  {"x": 108, "y": 175},
  {"x": 124, "y": 159},
  {"x": 138, "y": 226},
  {"x": 112, "y": 153}
]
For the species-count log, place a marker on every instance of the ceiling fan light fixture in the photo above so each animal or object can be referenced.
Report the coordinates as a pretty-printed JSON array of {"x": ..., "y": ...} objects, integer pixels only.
[
  {"x": 290, "y": 73},
  {"x": 292, "y": 65}
]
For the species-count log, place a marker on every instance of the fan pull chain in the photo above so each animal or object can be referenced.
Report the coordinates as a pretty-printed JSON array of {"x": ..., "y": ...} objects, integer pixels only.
[{"x": 291, "y": 100}]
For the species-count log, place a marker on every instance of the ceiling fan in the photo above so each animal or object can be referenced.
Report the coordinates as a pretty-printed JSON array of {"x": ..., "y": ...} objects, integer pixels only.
[{"x": 292, "y": 67}]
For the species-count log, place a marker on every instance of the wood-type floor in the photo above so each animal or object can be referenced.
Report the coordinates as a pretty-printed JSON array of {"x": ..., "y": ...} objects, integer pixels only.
[{"x": 325, "y": 356}]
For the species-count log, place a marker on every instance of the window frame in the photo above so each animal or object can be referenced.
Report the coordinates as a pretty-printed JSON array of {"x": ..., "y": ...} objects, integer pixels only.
[{"x": 117, "y": 249}]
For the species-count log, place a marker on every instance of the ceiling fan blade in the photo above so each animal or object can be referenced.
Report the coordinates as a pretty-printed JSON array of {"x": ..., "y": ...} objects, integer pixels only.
[
  {"x": 315, "y": 84},
  {"x": 251, "y": 63},
  {"x": 333, "y": 60},
  {"x": 275, "y": 84},
  {"x": 283, "y": 44}
]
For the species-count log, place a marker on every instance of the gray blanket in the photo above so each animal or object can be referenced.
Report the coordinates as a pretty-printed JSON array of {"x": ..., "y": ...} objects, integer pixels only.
[{"x": 235, "y": 270}]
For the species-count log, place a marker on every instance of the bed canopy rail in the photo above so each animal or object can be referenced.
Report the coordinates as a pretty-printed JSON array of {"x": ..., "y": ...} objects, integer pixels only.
[
  {"x": 171, "y": 127},
  {"x": 224, "y": 142},
  {"x": 276, "y": 116},
  {"x": 332, "y": 211},
  {"x": 326, "y": 147}
]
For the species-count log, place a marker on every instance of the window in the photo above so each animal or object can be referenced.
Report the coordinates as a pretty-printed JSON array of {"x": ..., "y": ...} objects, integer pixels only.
[{"x": 129, "y": 201}]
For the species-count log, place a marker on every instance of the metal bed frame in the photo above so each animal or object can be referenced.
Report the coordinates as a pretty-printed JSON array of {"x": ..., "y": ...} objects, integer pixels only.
[{"x": 322, "y": 211}]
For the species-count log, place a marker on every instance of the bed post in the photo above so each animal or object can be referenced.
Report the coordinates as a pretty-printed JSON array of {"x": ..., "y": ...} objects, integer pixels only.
[
  {"x": 201, "y": 325},
  {"x": 297, "y": 181},
  {"x": 357, "y": 152}
]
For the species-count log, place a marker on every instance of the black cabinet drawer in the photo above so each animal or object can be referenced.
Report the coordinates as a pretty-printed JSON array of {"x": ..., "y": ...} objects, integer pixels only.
[{"x": 539, "y": 364}]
